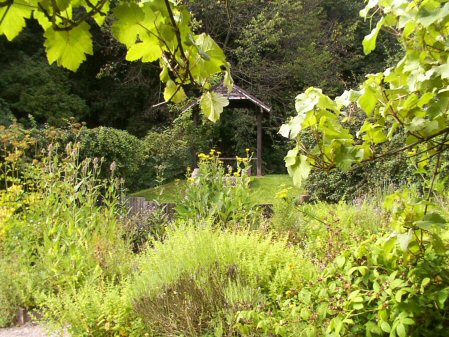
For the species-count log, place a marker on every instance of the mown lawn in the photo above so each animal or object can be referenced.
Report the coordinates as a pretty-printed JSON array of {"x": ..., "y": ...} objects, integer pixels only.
[{"x": 263, "y": 189}]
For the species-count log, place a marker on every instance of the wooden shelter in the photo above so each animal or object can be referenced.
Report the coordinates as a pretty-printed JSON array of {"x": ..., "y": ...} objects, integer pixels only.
[{"x": 239, "y": 98}]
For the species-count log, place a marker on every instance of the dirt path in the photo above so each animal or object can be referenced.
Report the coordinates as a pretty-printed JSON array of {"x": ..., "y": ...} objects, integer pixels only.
[{"x": 28, "y": 330}]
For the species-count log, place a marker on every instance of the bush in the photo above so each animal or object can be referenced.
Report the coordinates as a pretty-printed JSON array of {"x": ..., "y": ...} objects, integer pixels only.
[
  {"x": 172, "y": 150},
  {"x": 61, "y": 230},
  {"x": 323, "y": 231},
  {"x": 97, "y": 309},
  {"x": 198, "y": 279},
  {"x": 125, "y": 150},
  {"x": 360, "y": 181}
]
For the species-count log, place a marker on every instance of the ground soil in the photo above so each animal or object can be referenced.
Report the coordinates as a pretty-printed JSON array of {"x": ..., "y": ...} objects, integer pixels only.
[{"x": 27, "y": 330}]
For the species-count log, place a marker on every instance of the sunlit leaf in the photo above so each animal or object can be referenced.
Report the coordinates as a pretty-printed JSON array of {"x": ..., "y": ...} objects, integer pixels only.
[
  {"x": 212, "y": 105},
  {"x": 69, "y": 48}
]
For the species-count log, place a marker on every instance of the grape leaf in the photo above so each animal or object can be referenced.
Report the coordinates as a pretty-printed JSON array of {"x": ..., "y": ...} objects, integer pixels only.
[
  {"x": 69, "y": 48},
  {"x": 369, "y": 42},
  {"x": 208, "y": 59},
  {"x": 13, "y": 19},
  {"x": 148, "y": 50},
  {"x": 212, "y": 105},
  {"x": 174, "y": 93},
  {"x": 127, "y": 28}
]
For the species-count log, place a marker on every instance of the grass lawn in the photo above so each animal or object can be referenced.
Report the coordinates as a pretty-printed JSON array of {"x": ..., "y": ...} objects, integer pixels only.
[{"x": 263, "y": 190}]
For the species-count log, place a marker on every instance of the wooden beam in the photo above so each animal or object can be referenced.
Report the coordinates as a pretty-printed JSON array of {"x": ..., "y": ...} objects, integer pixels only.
[{"x": 259, "y": 143}]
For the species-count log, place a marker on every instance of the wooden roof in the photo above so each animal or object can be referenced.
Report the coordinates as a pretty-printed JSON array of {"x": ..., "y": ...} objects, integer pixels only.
[{"x": 238, "y": 98}]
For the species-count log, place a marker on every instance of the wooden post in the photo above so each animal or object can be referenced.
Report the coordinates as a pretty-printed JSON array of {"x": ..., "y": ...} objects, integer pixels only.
[{"x": 259, "y": 143}]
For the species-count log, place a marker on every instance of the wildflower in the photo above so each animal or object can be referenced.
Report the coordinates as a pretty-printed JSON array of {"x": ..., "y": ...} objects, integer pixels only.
[
  {"x": 236, "y": 174},
  {"x": 247, "y": 150}
]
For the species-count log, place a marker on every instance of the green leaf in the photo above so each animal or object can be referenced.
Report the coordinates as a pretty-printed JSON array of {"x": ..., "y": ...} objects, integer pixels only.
[
  {"x": 204, "y": 66},
  {"x": 228, "y": 82},
  {"x": 297, "y": 166},
  {"x": 69, "y": 48},
  {"x": 345, "y": 157},
  {"x": 127, "y": 27},
  {"x": 442, "y": 297},
  {"x": 400, "y": 330},
  {"x": 430, "y": 220},
  {"x": 340, "y": 260},
  {"x": 370, "y": 5},
  {"x": 148, "y": 50},
  {"x": 368, "y": 100},
  {"x": 443, "y": 70},
  {"x": 14, "y": 17},
  {"x": 99, "y": 17},
  {"x": 385, "y": 326},
  {"x": 369, "y": 42},
  {"x": 212, "y": 105},
  {"x": 174, "y": 93},
  {"x": 404, "y": 240}
]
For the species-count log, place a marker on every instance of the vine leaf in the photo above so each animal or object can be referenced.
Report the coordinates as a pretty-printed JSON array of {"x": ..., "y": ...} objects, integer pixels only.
[
  {"x": 369, "y": 42},
  {"x": 148, "y": 50},
  {"x": 297, "y": 166},
  {"x": 430, "y": 220},
  {"x": 127, "y": 28},
  {"x": 209, "y": 59},
  {"x": 212, "y": 104},
  {"x": 69, "y": 48},
  {"x": 13, "y": 19},
  {"x": 174, "y": 93}
]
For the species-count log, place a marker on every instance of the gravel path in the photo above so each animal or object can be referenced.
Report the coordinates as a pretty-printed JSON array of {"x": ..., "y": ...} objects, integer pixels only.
[{"x": 28, "y": 330}]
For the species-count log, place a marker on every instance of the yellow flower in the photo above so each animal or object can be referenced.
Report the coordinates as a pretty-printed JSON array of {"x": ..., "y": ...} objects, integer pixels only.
[
  {"x": 236, "y": 174},
  {"x": 247, "y": 150}
]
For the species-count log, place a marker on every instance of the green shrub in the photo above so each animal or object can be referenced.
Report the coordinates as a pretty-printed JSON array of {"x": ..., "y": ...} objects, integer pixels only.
[
  {"x": 125, "y": 150},
  {"x": 323, "y": 231},
  {"x": 97, "y": 309},
  {"x": 392, "y": 284},
  {"x": 60, "y": 228},
  {"x": 197, "y": 279},
  {"x": 360, "y": 181},
  {"x": 172, "y": 150}
]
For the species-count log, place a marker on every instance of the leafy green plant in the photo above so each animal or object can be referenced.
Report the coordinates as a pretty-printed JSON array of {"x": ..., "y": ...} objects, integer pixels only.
[
  {"x": 95, "y": 309},
  {"x": 323, "y": 231},
  {"x": 219, "y": 193},
  {"x": 151, "y": 31},
  {"x": 196, "y": 280},
  {"x": 63, "y": 230}
]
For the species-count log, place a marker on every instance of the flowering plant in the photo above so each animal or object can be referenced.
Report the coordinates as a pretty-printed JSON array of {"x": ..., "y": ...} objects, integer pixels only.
[{"x": 218, "y": 192}]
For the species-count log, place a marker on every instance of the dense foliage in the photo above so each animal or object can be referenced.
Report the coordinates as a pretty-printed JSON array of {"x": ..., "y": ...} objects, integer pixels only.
[{"x": 377, "y": 266}]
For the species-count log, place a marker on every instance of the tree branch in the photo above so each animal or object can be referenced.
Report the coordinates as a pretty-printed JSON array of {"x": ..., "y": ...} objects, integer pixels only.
[{"x": 179, "y": 39}]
